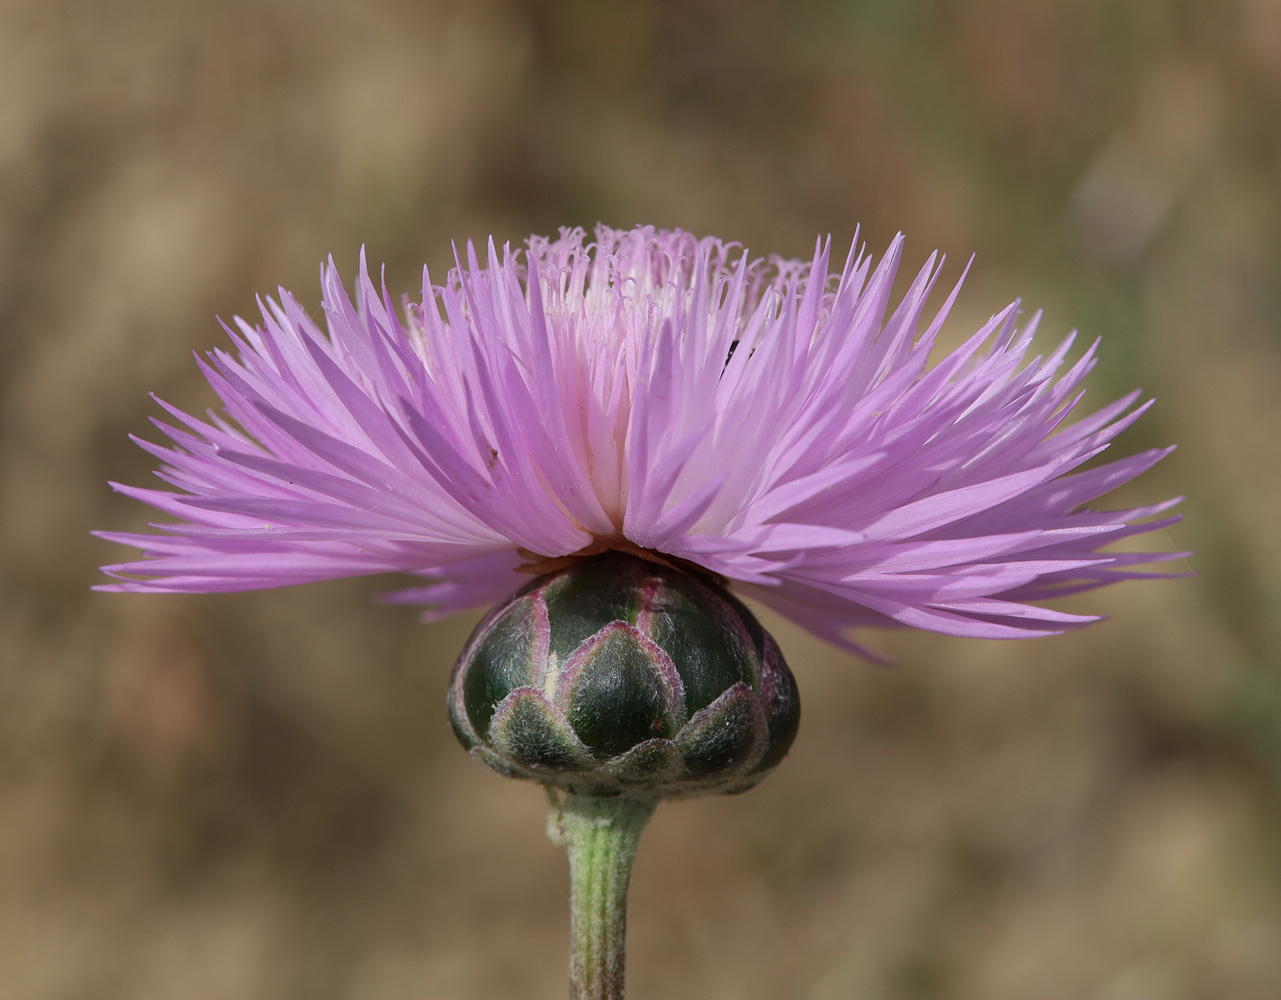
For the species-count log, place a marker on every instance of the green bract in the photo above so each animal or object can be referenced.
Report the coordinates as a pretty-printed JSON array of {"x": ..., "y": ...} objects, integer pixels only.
[{"x": 619, "y": 675}]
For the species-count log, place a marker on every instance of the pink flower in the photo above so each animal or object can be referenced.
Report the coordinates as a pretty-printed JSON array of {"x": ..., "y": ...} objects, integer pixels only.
[{"x": 761, "y": 420}]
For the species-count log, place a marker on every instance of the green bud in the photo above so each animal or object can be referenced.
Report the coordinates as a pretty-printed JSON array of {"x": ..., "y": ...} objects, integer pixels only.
[{"x": 617, "y": 675}]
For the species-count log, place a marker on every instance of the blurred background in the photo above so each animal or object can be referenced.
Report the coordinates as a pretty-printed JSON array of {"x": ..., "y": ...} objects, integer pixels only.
[{"x": 257, "y": 796}]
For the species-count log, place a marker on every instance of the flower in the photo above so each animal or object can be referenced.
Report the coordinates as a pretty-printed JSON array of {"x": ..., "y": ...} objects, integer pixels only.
[{"x": 769, "y": 422}]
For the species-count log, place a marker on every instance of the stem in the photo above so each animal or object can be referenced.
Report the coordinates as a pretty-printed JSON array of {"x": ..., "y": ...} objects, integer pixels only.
[{"x": 601, "y": 835}]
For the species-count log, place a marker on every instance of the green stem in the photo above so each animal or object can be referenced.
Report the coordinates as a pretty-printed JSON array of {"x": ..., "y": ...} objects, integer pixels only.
[{"x": 601, "y": 835}]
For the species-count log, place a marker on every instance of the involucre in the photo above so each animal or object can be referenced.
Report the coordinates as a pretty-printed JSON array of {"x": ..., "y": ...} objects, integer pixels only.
[{"x": 618, "y": 675}]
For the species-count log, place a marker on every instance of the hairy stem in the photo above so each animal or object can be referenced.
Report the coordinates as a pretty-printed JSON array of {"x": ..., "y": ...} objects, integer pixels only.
[{"x": 601, "y": 835}]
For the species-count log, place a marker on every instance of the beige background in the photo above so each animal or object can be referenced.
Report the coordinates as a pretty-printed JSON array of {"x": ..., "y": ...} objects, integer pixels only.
[{"x": 257, "y": 796}]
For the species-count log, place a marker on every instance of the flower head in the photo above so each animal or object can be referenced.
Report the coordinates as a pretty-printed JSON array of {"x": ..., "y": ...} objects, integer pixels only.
[{"x": 770, "y": 422}]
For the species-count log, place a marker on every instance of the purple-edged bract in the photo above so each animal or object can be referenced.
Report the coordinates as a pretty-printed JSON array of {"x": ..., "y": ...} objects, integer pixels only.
[{"x": 774, "y": 422}]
